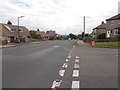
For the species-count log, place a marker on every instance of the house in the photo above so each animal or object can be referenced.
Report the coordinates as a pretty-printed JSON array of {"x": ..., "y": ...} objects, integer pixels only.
[
  {"x": 99, "y": 30},
  {"x": 43, "y": 34},
  {"x": 10, "y": 32},
  {"x": 113, "y": 26},
  {"x": 51, "y": 33}
]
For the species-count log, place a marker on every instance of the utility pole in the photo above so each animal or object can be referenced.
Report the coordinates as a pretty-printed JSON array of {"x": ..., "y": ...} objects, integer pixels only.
[{"x": 84, "y": 26}]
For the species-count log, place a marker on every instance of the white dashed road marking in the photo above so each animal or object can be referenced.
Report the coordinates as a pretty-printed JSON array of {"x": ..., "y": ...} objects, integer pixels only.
[
  {"x": 69, "y": 56},
  {"x": 75, "y": 73},
  {"x": 56, "y": 83},
  {"x": 61, "y": 72},
  {"x": 67, "y": 60},
  {"x": 76, "y": 60},
  {"x": 77, "y": 57},
  {"x": 75, "y": 85},
  {"x": 65, "y": 65},
  {"x": 76, "y": 65},
  {"x": 56, "y": 46}
]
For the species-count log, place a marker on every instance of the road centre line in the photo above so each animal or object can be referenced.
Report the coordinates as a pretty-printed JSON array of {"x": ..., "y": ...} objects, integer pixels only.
[
  {"x": 61, "y": 72},
  {"x": 67, "y": 60},
  {"x": 56, "y": 83},
  {"x": 65, "y": 65},
  {"x": 75, "y": 85},
  {"x": 75, "y": 73}
]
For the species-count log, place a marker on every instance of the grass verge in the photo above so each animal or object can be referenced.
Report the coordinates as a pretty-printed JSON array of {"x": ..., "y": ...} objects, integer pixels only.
[{"x": 106, "y": 44}]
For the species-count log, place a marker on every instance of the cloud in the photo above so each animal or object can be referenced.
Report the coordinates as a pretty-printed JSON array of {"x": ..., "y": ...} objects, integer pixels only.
[{"x": 64, "y": 16}]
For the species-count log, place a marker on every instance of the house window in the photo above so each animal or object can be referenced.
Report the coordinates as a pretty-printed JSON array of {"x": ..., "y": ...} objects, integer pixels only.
[
  {"x": 111, "y": 23},
  {"x": 116, "y": 31},
  {"x": 111, "y": 31},
  {"x": 20, "y": 30}
]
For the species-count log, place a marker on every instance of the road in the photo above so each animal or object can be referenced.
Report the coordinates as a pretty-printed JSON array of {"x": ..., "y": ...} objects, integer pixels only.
[{"x": 59, "y": 64}]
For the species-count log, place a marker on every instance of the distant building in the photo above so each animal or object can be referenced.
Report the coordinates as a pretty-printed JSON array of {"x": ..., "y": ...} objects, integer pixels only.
[
  {"x": 51, "y": 33},
  {"x": 9, "y": 32},
  {"x": 43, "y": 34},
  {"x": 99, "y": 30}
]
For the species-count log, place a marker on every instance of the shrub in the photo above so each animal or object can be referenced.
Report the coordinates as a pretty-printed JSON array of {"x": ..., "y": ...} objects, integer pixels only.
[
  {"x": 88, "y": 39},
  {"x": 22, "y": 39}
]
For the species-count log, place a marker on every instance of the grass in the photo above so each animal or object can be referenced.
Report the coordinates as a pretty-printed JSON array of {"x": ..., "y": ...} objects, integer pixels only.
[{"x": 107, "y": 44}]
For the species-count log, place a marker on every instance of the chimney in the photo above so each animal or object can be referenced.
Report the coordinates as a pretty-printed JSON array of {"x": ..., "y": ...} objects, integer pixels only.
[
  {"x": 102, "y": 22},
  {"x": 38, "y": 30},
  {"x": 9, "y": 22}
]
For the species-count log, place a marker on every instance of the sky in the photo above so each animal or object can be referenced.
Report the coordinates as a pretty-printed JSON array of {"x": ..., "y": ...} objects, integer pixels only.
[{"x": 63, "y": 16}]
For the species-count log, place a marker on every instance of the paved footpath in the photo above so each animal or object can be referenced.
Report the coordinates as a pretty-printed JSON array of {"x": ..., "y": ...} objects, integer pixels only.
[{"x": 87, "y": 67}]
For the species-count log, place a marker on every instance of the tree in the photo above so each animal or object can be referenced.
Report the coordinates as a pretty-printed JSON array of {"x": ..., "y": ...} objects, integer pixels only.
[
  {"x": 34, "y": 35},
  {"x": 101, "y": 36},
  {"x": 72, "y": 36}
]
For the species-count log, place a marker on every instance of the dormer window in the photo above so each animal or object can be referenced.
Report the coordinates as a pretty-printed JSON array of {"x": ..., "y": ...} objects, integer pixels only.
[{"x": 10, "y": 29}]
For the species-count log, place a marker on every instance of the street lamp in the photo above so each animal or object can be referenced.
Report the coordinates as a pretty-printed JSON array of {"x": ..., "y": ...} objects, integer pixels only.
[{"x": 18, "y": 28}]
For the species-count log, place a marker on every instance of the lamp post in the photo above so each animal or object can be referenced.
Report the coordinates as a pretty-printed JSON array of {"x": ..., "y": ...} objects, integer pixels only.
[
  {"x": 18, "y": 29},
  {"x": 84, "y": 26}
]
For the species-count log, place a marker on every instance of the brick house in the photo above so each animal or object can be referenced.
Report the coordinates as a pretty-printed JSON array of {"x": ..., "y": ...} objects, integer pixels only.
[
  {"x": 113, "y": 27},
  {"x": 9, "y": 32},
  {"x": 51, "y": 33},
  {"x": 43, "y": 34},
  {"x": 99, "y": 30}
]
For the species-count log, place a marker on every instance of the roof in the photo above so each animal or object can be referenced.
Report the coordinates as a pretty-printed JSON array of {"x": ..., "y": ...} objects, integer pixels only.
[
  {"x": 114, "y": 17},
  {"x": 12, "y": 30},
  {"x": 42, "y": 33},
  {"x": 102, "y": 26}
]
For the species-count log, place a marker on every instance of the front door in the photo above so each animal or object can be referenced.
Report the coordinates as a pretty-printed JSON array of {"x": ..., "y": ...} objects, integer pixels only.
[{"x": 108, "y": 34}]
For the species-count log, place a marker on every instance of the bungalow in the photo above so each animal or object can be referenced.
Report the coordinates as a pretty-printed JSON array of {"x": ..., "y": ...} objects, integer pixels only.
[
  {"x": 9, "y": 32},
  {"x": 113, "y": 26},
  {"x": 99, "y": 30}
]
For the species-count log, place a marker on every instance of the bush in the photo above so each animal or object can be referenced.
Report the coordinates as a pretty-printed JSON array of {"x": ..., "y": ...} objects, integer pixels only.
[
  {"x": 88, "y": 39},
  {"x": 22, "y": 39}
]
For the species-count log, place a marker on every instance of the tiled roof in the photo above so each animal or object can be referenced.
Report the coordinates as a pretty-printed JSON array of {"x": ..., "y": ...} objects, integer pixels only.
[
  {"x": 114, "y": 17},
  {"x": 102, "y": 26},
  {"x": 13, "y": 30}
]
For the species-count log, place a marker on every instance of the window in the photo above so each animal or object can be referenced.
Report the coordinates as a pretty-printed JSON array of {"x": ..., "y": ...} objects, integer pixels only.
[
  {"x": 10, "y": 29},
  {"x": 111, "y": 31},
  {"x": 111, "y": 23},
  {"x": 116, "y": 31},
  {"x": 20, "y": 30}
]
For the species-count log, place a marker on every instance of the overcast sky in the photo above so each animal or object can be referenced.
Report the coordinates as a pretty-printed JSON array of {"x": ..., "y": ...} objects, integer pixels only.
[{"x": 63, "y": 16}]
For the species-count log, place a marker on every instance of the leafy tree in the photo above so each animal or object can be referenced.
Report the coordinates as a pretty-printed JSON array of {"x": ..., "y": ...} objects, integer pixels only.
[
  {"x": 34, "y": 35},
  {"x": 72, "y": 36}
]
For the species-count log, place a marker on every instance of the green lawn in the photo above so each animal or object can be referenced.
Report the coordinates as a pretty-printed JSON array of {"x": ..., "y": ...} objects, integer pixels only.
[{"x": 107, "y": 44}]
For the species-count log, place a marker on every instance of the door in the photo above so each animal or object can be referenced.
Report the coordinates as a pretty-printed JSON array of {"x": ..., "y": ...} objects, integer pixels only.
[{"x": 108, "y": 34}]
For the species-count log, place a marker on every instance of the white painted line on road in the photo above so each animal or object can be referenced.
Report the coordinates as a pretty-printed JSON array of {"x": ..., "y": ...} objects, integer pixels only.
[
  {"x": 75, "y": 73},
  {"x": 65, "y": 65},
  {"x": 56, "y": 46},
  {"x": 69, "y": 56},
  {"x": 77, "y": 57},
  {"x": 76, "y": 60},
  {"x": 67, "y": 60},
  {"x": 61, "y": 72},
  {"x": 75, "y": 85},
  {"x": 56, "y": 83},
  {"x": 76, "y": 65}
]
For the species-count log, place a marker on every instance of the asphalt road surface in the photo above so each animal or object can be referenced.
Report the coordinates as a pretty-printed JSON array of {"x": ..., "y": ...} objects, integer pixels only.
[{"x": 59, "y": 64}]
